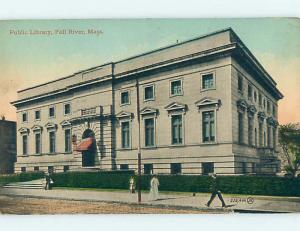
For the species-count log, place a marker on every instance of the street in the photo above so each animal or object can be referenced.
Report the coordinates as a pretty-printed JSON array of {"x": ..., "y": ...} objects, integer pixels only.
[{"x": 28, "y": 206}]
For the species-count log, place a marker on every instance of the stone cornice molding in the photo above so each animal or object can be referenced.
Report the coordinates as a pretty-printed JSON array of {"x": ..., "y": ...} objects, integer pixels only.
[
  {"x": 124, "y": 115},
  {"x": 149, "y": 111},
  {"x": 176, "y": 107},
  {"x": 37, "y": 128},
  {"x": 65, "y": 124},
  {"x": 24, "y": 130},
  {"x": 208, "y": 102},
  {"x": 50, "y": 126}
]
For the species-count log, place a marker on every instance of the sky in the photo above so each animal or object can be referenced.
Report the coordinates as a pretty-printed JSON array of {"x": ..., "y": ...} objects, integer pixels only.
[{"x": 30, "y": 59}]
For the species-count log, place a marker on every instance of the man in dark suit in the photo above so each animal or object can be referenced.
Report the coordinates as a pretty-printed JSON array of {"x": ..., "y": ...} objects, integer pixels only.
[{"x": 215, "y": 189}]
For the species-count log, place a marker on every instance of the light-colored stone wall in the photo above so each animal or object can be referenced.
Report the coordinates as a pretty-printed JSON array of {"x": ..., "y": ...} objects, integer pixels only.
[
  {"x": 193, "y": 149},
  {"x": 247, "y": 153},
  {"x": 100, "y": 88}
]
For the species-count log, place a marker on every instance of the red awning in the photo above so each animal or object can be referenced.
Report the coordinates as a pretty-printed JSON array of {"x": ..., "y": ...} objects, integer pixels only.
[{"x": 85, "y": 144}]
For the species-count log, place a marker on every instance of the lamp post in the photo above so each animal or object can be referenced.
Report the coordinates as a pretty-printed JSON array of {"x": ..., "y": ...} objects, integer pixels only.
[{"x": 139, "y": 142}]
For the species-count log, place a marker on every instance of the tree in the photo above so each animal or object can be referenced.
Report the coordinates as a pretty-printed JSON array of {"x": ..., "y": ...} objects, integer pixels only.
[{"x": 289, "y": 139}]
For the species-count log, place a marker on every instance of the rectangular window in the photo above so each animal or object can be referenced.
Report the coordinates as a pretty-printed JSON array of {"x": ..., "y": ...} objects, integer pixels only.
[
  {"x": 124, "y": 167},
  {"x": 207, "y": 168},
  {"x": 38, "y": 143},
  {"x": 176, "y": 87},
  {"x": 249, "y": 92},
  {"x": 125, "y": 127},
  {"x": 241, "y": 128},
  {"x": 250, "y": 131},
  {"x": 253, "y": 167},
  {"x": 23, "y": 169},
  {"x": 208, "y": 81},
  {"x": 148, "y": 168},
  {"x": 240, "y": 84},
  {"x": 66, "y": 168},
  {"x": 36, "y": 168},
  {"x": 208, "y": 126},
  {"x": 37, "y": 115},
  {"x": 125, "y": 97},
  {"x": 149, "y": 93},
  {"x": 268, "y": 106},
  {"x": 177, "y": 129},
  {"x": 50, "y": 169},
  {"x": 25, "y": 144},
  {"x": 260, "y": 134},
  {"x": 67, "y": 109},
  {"x": 259, "y": 99},
  {"x": 24, "y": 117},
  {"x": 149, "y": 132},
  {"x": 51, "y": 111},
  {"x": 68, "y": 141},
  {"x": 175, "y": 168},
  {"x": 52, "y": 142},
  {"x": 244, "y": 167}
]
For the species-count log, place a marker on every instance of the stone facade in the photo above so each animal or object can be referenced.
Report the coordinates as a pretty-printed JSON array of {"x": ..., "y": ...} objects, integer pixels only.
[{"x": 205, "y": 105}]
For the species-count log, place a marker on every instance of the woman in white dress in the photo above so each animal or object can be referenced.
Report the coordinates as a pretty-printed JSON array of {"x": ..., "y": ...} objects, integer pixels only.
[
  {"x": 132, "y": 185},
  {"x": 154, "y": 183}
]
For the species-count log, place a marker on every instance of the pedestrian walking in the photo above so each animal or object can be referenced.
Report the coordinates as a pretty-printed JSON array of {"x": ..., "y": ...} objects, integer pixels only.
[
  {"x": 132, "y": 185},
  {"x": 154, "y": 184},
  {"x": 47, "y": 179},
  {"x": 215, "y": 189}
]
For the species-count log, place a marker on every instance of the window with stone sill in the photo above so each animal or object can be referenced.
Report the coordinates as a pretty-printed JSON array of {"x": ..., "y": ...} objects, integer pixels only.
[
  {"x": 208, "y": 126},
  {"x": 249, "y": 92},
  {"x": 37, "y": 115},
  {"x": 176, "y": 87},
  {"x": 149, "y": 93},
  {"x": 240, "y": 84},
  {"x": 125, "y": 97},
  {"x": 67, "y": 109},
  {"x": 176, "y": 168},
  {"x": 52, "y": 142},
  {"x": 149, "y": 132},
  {"x": 207, "y": 168},
  {"x": 124, "y": 166},
  {"x": 177, "y": 133},
  {"x": 24, "y": 117},
  {"x": 148, "y": 168},
  {"x": 259, "y": 99},
  {"x": 51, "y": 112},
  {"x": 38, "y": 143},
  {"x": 208, "y": 81},
  {"x": 125, "y": 134},
  {"x": 25, "y": 144}
]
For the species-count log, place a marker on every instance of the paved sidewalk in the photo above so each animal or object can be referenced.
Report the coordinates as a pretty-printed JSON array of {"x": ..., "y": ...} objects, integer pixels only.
[{"x": 184, "y": 200}]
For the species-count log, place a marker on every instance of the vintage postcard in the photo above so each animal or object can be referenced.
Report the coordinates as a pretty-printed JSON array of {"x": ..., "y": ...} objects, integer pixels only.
[{"x": 152, "y": 116}]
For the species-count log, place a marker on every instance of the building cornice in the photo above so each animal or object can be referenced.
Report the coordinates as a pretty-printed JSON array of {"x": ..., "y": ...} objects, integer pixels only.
[{"x": 234, "y": 46}]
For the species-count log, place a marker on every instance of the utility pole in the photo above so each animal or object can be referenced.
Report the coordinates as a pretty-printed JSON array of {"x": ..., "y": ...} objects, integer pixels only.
[{"x": 139, "y": 181}]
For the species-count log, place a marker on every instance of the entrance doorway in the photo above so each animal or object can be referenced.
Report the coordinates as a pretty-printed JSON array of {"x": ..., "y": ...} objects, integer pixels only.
[{"x": 88, "y": 156}]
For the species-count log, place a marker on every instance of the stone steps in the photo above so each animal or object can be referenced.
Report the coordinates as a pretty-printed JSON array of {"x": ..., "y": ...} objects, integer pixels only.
[{"x": 36, "y": 184}]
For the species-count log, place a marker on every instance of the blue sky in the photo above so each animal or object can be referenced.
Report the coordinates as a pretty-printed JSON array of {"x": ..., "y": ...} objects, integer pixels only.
[{"x": 29, "y": 60}]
